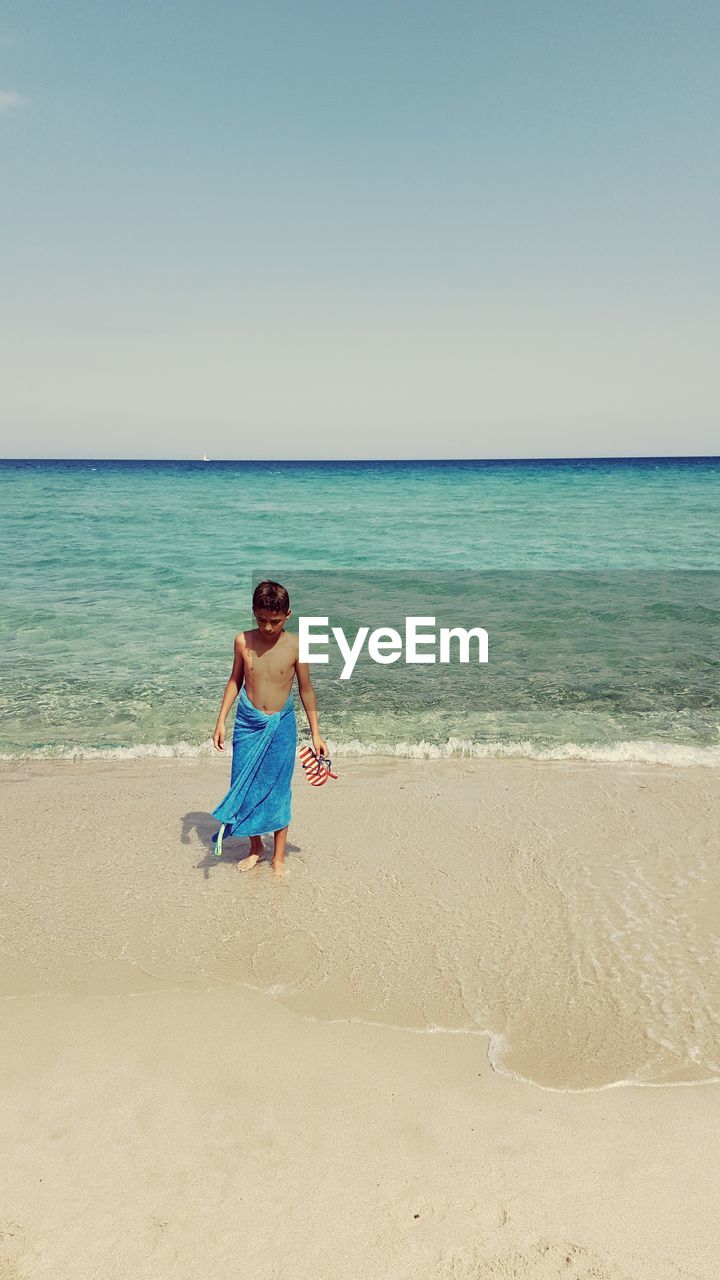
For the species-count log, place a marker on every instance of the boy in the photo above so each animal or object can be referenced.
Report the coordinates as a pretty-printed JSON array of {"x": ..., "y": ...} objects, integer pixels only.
[{"x": 265, "y": 732}]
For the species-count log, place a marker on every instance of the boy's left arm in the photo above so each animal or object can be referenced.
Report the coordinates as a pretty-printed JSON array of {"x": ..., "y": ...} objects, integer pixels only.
[{"x": 309, "y": 701}]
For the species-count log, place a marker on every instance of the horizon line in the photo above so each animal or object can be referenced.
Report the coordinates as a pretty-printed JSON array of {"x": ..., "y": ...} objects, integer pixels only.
[{"x": 638, "y": 457}]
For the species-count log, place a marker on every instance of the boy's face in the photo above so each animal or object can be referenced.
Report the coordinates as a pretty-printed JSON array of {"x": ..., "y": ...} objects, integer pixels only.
[{"x": 271, "y": 622}]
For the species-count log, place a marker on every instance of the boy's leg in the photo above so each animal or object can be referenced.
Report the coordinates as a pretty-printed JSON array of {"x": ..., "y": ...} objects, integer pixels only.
[
  {"x": 278, "y": 862},
  {"x": 256, "y": 852}
]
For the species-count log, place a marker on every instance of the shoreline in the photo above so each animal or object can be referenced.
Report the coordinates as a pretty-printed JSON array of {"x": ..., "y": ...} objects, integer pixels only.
[
  {"x": 490, "y": 1037},
  {"x": 569, "y": 909},
  {"x": 631, "y": 751}
]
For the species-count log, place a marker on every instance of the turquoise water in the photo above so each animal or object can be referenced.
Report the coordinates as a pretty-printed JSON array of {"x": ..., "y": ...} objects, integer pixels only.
[{"x": 124, "y": 583}]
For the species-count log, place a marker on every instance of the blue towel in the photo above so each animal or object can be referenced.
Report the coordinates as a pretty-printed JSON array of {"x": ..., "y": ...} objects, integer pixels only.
[{"x": 262, "y": 766}]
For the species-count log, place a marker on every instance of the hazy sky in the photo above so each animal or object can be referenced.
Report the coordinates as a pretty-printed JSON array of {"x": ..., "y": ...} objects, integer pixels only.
[{"x": 391, "y": 229}]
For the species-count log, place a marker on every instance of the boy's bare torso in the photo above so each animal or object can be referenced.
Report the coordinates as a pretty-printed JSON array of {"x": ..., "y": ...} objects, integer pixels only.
[{"x": 269, "y": 668}]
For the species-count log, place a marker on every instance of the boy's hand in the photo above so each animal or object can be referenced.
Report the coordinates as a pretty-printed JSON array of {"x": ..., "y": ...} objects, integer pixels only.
[
  {"x": 219, "y": 736},
  {"x": 319, "y": 745}
]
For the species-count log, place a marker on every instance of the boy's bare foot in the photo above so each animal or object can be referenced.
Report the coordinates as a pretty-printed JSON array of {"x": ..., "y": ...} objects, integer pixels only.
[{"x": 257, "y": 850}]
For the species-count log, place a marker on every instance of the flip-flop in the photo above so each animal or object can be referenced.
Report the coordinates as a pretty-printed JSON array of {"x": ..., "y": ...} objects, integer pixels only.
[
  {"x": 314, "y": 772},
  {"x": 318, "y": 768},
  {"x": 218, "y": 839}
]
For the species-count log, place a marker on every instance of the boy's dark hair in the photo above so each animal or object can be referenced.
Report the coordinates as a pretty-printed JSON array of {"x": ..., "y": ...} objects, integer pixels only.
[{"x": 271, "y": 596}]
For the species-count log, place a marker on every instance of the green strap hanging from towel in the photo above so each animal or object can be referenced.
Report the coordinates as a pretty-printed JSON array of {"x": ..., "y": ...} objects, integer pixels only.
[{"x": 218, "y": 841}]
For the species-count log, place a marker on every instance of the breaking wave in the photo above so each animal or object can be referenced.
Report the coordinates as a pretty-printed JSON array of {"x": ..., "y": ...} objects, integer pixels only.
[{"x": 631, "y": 752}]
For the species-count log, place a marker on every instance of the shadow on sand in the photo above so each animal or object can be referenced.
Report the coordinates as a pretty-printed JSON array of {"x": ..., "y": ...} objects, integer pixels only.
[{"x": 202, "y": 826}]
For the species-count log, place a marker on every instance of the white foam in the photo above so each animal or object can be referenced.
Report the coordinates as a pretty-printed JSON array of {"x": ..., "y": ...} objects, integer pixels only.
[
  {"x": 632, "y": 752},
  {"x": 638, "y": 751}
]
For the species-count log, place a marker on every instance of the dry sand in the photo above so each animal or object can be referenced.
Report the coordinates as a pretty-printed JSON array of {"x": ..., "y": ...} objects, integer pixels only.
[{"x": 176, "y": 1102}]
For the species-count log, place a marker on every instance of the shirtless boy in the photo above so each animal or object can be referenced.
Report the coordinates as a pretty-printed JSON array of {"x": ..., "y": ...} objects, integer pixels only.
[{"x": 266, "y": 661}]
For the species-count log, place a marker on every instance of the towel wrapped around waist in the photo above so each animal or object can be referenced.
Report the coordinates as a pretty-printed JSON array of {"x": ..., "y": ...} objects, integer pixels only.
[{"x": 263, "y": 759}]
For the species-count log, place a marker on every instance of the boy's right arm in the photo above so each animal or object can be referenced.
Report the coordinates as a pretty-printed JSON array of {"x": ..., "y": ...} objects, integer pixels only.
[{"x": 232, "y": 690}]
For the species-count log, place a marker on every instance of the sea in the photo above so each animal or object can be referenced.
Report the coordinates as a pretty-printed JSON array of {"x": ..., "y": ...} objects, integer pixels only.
[{"x": 595, "y": 582}]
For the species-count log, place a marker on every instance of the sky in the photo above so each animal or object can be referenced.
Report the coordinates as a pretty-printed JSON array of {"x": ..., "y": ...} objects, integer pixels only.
[{"x": 304, "y": 229}]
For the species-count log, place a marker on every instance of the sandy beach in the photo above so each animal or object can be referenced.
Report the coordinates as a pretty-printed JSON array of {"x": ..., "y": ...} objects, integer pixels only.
[{"x": 207, "y": 1072}]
